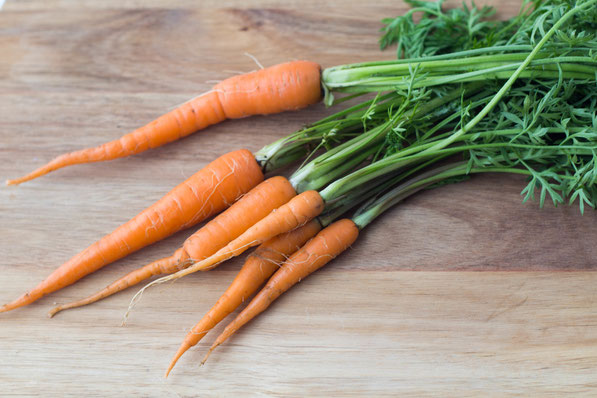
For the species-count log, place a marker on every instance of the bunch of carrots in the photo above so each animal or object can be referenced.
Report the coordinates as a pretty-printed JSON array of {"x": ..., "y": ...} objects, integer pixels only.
[{"x": 517, "y": 96}]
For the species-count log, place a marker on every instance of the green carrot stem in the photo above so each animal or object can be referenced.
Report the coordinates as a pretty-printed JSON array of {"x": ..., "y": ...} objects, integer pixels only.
[{"x": 371, "y": 211}]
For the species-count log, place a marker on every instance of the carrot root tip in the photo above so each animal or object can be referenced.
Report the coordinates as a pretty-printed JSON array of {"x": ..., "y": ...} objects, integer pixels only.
[
  {"x": 207, "y": 355},
  {"x": 137, "y": 297},
  {"x": 54, "y": 311}
]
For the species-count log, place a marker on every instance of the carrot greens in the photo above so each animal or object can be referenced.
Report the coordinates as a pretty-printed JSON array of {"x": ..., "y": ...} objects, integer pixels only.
[{"x": 541, "y": 122}]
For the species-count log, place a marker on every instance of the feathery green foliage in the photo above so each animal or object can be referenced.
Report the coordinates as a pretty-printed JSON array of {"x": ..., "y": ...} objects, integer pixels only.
[{"x": 535, "y": 114}]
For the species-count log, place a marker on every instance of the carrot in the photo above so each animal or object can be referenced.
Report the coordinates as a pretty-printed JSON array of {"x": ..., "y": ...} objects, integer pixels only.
[
  {"x": 260, "y": 265},
  {"x": 202, "y": 195},
  {"x": 287, "y": 86},
  {"x": 328, "y": 243},
  {"x": 258, "y": 203}
]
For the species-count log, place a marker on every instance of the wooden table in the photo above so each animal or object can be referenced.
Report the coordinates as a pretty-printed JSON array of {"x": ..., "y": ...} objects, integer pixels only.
[{"x": 457, "y": 292}]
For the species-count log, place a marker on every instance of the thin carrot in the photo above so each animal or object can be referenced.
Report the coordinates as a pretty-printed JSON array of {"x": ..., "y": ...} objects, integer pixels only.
[
  {"x": 287, "y": 86},
  {"x": 328, "y": 243},
  {"x": 260, "y": 265},
  {"x": 298, "y": 211},
  {"x": 204, "y": 194},
  {"x": 130, "y": 279},
  {"x": 228, "y": 225}
]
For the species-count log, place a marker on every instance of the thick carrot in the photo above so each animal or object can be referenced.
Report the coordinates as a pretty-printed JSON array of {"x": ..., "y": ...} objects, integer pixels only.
[
  {"x": 329, "y": 243},
  {"x": 287, "y": 86},
  {"x": 204, "y": 194},
  {"x": 298, "y": 211},
  {"x": 260, "y": 265},
  {"x": 228, "y": 225}
]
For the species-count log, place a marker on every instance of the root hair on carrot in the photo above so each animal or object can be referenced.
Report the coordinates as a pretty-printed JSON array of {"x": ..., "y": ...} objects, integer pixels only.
[
  {"x": 172, "y": 277},
  {"x": 234, "y": 72},
  {"x": 191, "y": 99},
  {"x": 213, "y": 191},
  {"x": 254, "y": 58}
]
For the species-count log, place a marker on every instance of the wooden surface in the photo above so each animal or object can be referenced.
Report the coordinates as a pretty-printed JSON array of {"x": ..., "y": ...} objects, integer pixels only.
[{"x": 426, "y": 303}]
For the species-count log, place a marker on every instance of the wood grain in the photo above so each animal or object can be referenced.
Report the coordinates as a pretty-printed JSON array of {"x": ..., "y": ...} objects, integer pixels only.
[{"x": 75, "y": 74}]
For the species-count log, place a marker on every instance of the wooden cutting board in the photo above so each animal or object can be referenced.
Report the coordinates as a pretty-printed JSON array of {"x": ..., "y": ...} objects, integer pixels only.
[{"x": 457, "y": 292}]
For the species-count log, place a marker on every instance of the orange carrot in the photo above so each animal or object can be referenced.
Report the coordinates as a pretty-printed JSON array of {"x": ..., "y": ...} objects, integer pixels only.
[
  {"x": 260, "y": 265},
  {"x": 298, "y": 211},
  {"x": 329, "y": 243},
  {"x": 204, "y": 194},
  {"x": 258, "y": 203},
  {"x": 287, "y": 86}
]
